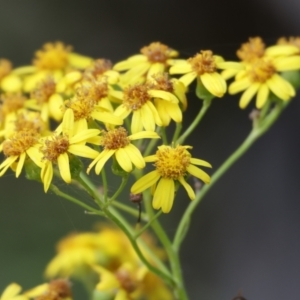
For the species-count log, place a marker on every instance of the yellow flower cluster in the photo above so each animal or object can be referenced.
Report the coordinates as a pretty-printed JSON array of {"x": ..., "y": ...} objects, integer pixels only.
[
  {"x": 106, "y": 111},
  {"x": 108, "y": 257}
]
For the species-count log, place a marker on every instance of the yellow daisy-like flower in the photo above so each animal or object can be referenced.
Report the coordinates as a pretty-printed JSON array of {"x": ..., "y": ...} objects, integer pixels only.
[
  {"x": 168, "y": 110},
  {"x": 20, "y": 146},
  {"x": 153, "y": 59},
  {"x": 262, "y": 76},
  {"x": 116, "y": 142},
  {"x": 12, "y": 292},
  {"x": 9, "y": 82},
  {"x": 45, "y": 99},
  {"x": 172, "y": 164},
  {"x": 56, "y": 149},
  {"x": 138, "y": 100},
  {"x": 204, "y": 66}
]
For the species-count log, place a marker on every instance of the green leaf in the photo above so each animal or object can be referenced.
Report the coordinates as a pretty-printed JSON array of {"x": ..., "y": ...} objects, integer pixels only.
[{"x": 76, "y": 166}]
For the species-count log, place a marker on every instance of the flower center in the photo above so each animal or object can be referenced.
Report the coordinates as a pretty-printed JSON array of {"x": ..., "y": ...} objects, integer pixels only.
[
  {"x": 203, "y": 62},
  {"x": 5, "y": 67},
  {"x": 20, "y": 142},
  {"x": 30, "y": 122},
  {"x": 52, "y": 56},
  {"x": 126, "y": 281},
  {"x": 99, "y": 67},
  {"x": 162, "y": 83},
  {"x": 44, "y": 91},
  {"x": 82, "y": 108},
  {"x": 136, "y": 96},
  {"x": 157, "y": 52},
  {"x": 172, "y": 162},
  {"x": 11, "y": 103},
  {"x": 261, "y": 71},
  {"x": 254, "y": 49},
  {"x": 54, "y": 147},
  {"x": 115, "y": 139}
]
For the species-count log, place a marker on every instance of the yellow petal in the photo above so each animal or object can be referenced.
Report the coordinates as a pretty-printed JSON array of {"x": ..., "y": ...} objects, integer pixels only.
[
  {"x": 104, "y": 157},
  {"x": 12, "y": 290},
  {"x": 135, "y": 156},
  {"x": 144, "y": 135},
  {"x": 200, "y": 162},
  {"x": 156, "y": 68},
  {"x": 214, "y": 83},
  {"x": 280, "y": 87},
  {"x": 181, "y": 67},
  {"x": 11, "y": 83},
  {"x": 123, "y": 159},
  {"x": 193, "y": 170},
  {"x": 83, "y": 151},
  {"x": 35, "y": 155},
  {"x": 130, "y": 62},
  {"x": 287, "y": 63},
  {"x": 239, "y": 85},
  {"x": 164, "y": 195},
  {"x": 107, "y": 118},
  {"x": 188, "y": 188},
  {"x": 64, "y": 167},
  {"x": 68, "y": 122},
  {"x": 145, "y": 182},
  {"x": 79, "y": 61},
  {"x": 56, "y": 103},
  {"x": 20, "y": 164},
  {"x": 262, "y": 95},
  {"x": 188, "y": 78},
  {"x": 47, "y": 175},
  {"x": 136, "y": 122},
  {"x": 163, "y": 95},
  {"x": 249, "y": 94},
  {"x": 83, "y": 136},
  {"x": 281, "y": 50},
  {"x": 147, "y": 118}
]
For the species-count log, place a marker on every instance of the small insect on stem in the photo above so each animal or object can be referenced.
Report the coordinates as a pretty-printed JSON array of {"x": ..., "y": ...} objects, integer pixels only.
[{"x": 137, "y": 199}]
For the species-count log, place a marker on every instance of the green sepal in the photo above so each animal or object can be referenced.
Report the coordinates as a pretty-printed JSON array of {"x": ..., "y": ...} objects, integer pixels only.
[
  {"x": 32, "y": 171},
  {"x": 201, "y": 91},
  {"x": 76, "y": 166},
  {"x": 293, "y": 77},
  {"x": 117, "y": 170}
]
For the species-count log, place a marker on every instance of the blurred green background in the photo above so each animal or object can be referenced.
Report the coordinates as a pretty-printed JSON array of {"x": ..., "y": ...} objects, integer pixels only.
[{"x": 245, "y": 233}]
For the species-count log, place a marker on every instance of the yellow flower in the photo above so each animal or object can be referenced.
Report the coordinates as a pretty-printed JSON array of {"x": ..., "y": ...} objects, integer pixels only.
[
  {"x": 167, "y": 110},
  {"x": 55, "y": 149},
  {"x": 172, "y": 164},
  {"x": 12, "y": 292},
  {"x": 77, "y": 253},
  {"x": 261, "y": 76},
  {"x": 17, "y": 148},
  {"x": 116, "y": 142},
  {"x": 153, "y": 59},
  {"x": 137, "y": 99},
  {"x": 203, "y": 66},
  {"x": 9, "y": 82}
]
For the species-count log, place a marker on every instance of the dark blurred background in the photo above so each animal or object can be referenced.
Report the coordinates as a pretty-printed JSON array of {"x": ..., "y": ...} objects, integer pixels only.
[{"x": 245, "y": 234}]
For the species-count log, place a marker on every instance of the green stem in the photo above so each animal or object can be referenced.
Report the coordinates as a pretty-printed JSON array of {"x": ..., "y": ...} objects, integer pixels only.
[
  {"x": 249, "y": 141},
  {"x": 177, "y": 132},
  {"x": 104, "y": 180},
  {"x": 118, "y": 192},
  {"x": 129, "y": 210},
  {"x": 194, "y": 124},
  {"x": 164, "y": 135},
  {"x": 58, "y": 192}
]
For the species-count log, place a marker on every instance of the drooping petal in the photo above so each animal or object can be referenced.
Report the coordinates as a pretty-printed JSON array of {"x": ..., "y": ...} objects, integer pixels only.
[
  {"x": 249, "y": 94},
  {"x": 47, "y": 175},
  {"x": 135, "y": 156},
  {"x": 68, "y": 122},
  {"x": 106, "y": 154},
  {"x": 136, "y": 122},
  {"x": 163, "y": 95},
  {"x": 83, "y": 136},
  {"x": 239, "y": 85},
  {"x": 164, "y": 195},
  {"x": 280, "y": 87},
  {"x": 188, "y": 188},
  {"x": 188, "y": 78},
  {"x": 181, "y": 67},
  {"x": 144, "y": 135},
  {"x": 214, "y": 83},
  {"x": 155, "y": 68},
  {"x": 155, "y": 114},
  {"x": 20, "y": 164},
  {"x": 64, "y": 167},
  {"x": 145, "y": 182},
  {"x": 262, "y": 95},
  {"x": 35, "y": 155},
  {"x": 195, "y": 171},
  {"x": 56, "y": 102},
  {"x": 147, "y": 118},
  {"x": 123, "y": 159},
  {"x": 107, "y": 117},
  {"x": 11, "y": 291}
]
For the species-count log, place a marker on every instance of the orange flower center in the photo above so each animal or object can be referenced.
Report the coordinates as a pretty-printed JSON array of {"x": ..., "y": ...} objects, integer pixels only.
[
  {"x": 52, "y": 56},
  {"x": 203, "y": 62},
  {"x": 11, "y": 103},
  {"x": 261, "y": 71},
  {"x": 172, "y": 162},
  {"x": 54, "y": 147},
  {"x": 126, "y": 281},
  {"x": 162, "y": 83},
  {"x": 20, "y": 142},
  {"x": 136, "y": 96},
  {"x": 252, "y": 50},
  {"x": 44, "y": 90},
  {"x": 30, "y": 122},
  {"x": 99, "y": 67},
  {"x": 157, "y": 52},
  {"x": 115, "y": 139}
]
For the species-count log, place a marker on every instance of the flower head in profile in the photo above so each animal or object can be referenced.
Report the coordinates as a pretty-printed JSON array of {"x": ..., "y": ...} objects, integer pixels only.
[
  {"x": 262, "y": 76},
  {"x": 172, "y": 164},
  {"x": 153, "y": 59},
  {"x": 9, "y": 82},
  {"x": 57, "y": 148},
  {"x": 118, "y": 143},
  {"x": 204, "y": 67}
]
